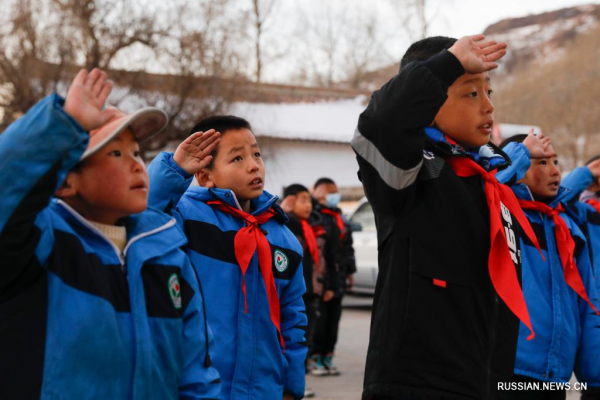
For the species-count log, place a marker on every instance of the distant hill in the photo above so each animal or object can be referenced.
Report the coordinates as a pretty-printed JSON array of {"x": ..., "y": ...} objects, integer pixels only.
[{"x": 540, "y": 37}]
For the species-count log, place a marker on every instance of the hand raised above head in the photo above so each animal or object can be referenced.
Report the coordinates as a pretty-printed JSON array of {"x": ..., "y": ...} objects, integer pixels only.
[
  {"x": 288, "y": 204},
  {"x": 477, "y": 55},
  {"x": 86, "y": 97},
  {"x": 539, "y": 146},
  {"x": 193, "y": 154}
]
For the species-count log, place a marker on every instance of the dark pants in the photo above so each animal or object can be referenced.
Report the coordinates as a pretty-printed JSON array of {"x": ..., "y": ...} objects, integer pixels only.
[
  {"x": 312, "y": 304},
  {"x": 534, "y": 394},
  {"x": 326, "y": 333}
]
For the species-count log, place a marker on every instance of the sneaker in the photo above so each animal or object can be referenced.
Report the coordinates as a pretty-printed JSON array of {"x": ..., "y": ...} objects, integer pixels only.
[
  {"x": 308, "y": 393},
  {"x": 328, "y": 363},
  {"x": 317, "y": 367}
]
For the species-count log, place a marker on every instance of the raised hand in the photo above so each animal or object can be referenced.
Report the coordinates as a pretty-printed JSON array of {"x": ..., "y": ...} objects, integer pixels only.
[
  {"x": 477, "y": 55},
  {"x": 288, "y": 204},
  {"x": 193, "y": 154},
  {"x": 539, "y": 146},
  {"x": 86, "y": 97}
]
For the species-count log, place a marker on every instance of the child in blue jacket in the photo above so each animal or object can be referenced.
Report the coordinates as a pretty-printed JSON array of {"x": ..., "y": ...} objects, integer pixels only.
[
  {"x": 560, "y": 291},
  {"x": 97, "y": 301},
  {"x": 584, "y": 206},
  {"x": 249, "y": 262}
]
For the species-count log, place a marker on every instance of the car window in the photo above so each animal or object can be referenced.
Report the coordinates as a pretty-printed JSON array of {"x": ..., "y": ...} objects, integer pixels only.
[{"x": 365, "y": 217}]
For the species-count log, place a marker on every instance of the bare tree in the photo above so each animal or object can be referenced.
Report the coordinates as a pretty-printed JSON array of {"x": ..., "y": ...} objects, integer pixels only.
[
  {"x": 261, "y": 10},
  {"x": 339, "y": 45},
  {"x": 42, "y": 47}
]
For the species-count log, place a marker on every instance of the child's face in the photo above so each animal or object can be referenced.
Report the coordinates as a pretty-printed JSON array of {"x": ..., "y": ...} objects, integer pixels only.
[
  {"x": 303, "y": 205},
  {"x": 467, "y": 116},
  {"x": 238, "y": 166},
  {"x": 111, "y": 184},
  {"x": 320, "y": 193},
  {"x": 543, "y": 178}
]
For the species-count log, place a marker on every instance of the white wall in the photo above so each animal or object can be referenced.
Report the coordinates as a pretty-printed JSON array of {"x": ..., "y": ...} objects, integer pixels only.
[{"x": 296, "y": 161}]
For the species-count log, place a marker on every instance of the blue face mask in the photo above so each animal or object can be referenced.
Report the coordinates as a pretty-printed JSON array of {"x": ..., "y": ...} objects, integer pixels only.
[{"x": 332, "y": 200}]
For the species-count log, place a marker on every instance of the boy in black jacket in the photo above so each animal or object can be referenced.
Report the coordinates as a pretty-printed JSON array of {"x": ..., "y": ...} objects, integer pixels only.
[
  {"x": 448, "y": 301},
  {"x": 341, "y": 255}
]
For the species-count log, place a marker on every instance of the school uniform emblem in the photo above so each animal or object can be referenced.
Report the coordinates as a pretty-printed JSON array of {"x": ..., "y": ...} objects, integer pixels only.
[
  {"x": 175, "y": 291},
  {"x": 281, "y": 261}
]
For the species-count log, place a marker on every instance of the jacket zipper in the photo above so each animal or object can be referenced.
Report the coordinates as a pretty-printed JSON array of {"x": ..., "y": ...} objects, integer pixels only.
[{"x": 119, "y": 253}]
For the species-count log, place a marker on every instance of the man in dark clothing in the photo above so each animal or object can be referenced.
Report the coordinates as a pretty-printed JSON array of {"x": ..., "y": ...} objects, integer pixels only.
[
  {"x": 341, "y": 254},
  {"x": 443, "y": 323}
]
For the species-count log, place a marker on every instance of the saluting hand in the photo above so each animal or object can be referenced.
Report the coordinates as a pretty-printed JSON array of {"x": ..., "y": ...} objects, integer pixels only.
[
  {"x": 86, "y": 97},
  {"x": 193, "y": 154},
  {"x": 539, "y": 146},
  {"x": 477, "y": 55}
]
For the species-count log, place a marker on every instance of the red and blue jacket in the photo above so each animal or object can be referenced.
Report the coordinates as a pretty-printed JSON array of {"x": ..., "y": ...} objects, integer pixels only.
[
  {"x": 248, "y": 353},
  {"x": 567, "y": 329},
  {"x": 79, "y": 319}
]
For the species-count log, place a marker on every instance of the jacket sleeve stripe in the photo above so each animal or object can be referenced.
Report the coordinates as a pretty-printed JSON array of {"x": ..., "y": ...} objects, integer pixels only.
[{"x": 394, "y": 177}]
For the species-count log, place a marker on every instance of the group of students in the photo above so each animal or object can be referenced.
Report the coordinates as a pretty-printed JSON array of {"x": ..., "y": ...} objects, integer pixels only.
[
  {"x": 488, "y": 266},
  {"x": 329, "y": 265},
  {"x": 201, "y": 295}
]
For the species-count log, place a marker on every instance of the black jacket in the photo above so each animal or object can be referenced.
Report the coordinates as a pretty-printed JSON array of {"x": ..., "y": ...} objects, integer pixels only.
[
  {"x": 429, "y": 341},
  {"x": 339, "y": 251},
  {"x": 315, "y": 280}
]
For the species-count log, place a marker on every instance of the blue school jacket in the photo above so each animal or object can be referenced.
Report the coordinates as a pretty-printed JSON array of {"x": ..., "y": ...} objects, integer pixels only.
[
  {"x": 79, "y": 319},
  {"x": 567, "y": 329},
  {"x": 247, "y": 351},
  {"x": 586, "y": 216}
]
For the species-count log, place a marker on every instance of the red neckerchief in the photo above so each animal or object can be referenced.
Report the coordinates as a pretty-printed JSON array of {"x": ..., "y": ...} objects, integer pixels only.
[
  {"x": 500, "y": 264},
  {"x": 246, "y": 241},
  {"x": 311, "y": 242},
  {"x": 565, "y": 244},
  {"x": 594, "y": 203},
  {"x": 338, "y": 219}
]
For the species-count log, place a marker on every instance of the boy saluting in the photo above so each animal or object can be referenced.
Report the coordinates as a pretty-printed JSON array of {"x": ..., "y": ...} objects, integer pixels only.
[
  {"x": 97, "y": 301},
  {"x": 248, "y": 261},
  {"x": 448, "y": 301}
]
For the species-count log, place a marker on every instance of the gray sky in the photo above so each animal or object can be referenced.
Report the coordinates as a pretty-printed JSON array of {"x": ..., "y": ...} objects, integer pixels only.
[
  {"x": 463, "y": 17},
  {"x": 448, "y": 18}
]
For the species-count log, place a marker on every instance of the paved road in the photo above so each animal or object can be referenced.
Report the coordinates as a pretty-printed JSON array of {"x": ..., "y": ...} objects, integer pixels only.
[{"x": 351, "y": 353}]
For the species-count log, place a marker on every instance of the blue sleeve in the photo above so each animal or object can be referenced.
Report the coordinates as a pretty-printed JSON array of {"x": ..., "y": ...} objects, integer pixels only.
[
  {"x": 36, "y": 153},
  {"x": 521, "y": 161},
  {"x": 200, "y": 379},
  {"x": 168, "y": 182},
  {"x": 588, "y": 354},
  {"x": 577, "y": 181},
  {"x": 293, "y": 326}
]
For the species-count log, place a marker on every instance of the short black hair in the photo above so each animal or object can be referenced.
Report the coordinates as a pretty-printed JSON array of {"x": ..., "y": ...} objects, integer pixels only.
[
  {"x": 519, "y": 138},
  {"x": 294, "y": 190},
  {"x": 222, "y": 124},
  {"x": 323, "y": 181},
  {"x": 426, "y": 48}
]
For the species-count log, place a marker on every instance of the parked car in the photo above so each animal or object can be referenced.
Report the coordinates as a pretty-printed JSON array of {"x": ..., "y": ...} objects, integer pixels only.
[{"x": 364, "y": 234}]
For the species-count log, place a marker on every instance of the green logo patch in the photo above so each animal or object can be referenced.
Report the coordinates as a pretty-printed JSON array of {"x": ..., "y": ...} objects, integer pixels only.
[
  {"x": 281, "y": 261},
  {"x": 175, "y": 290}
]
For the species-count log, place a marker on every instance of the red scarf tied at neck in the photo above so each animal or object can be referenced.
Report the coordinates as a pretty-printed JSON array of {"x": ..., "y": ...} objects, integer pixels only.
[
  {"x": 565, "y": 244},
  {"x": 338, "y": 220},
  {"x": 246, "y": 242},
  {"x": 311, "y": 242},
  {"x": 503, "y": 258},
  {"x": 594, "y": 203}
]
